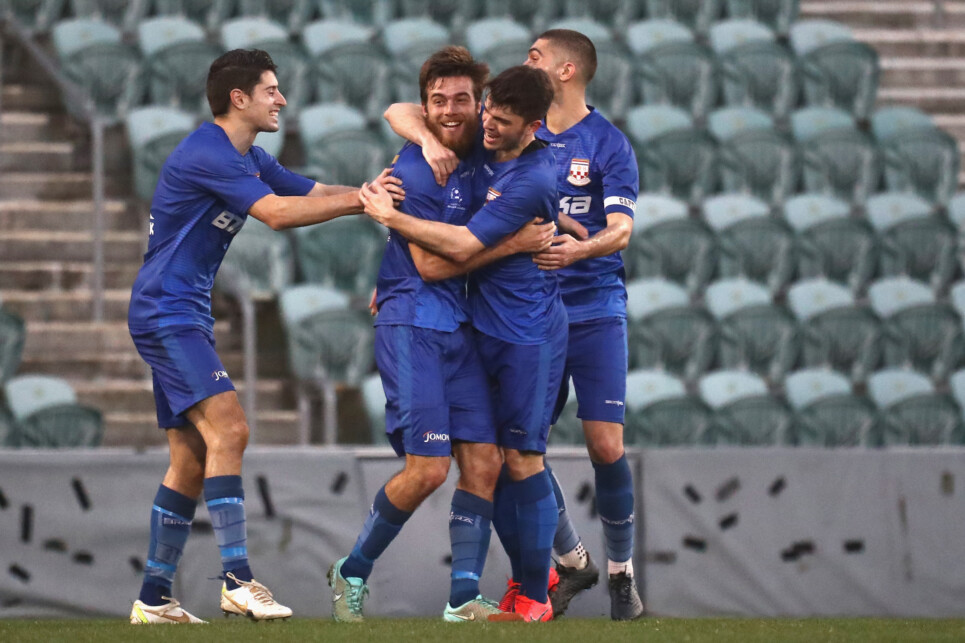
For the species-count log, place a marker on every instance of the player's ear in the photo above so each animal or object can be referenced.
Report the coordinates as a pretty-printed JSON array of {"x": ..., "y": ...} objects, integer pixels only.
[
  {"x": 567, "y": 71},
  {"x": 239, "y": 98},
  {"x": 534, "y": 126}
]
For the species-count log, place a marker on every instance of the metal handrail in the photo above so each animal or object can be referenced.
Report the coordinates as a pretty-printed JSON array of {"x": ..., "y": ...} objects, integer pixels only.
[{"x": 73, "y": 93}]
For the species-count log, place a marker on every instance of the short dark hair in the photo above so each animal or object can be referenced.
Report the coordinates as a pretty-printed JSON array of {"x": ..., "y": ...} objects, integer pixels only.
[
  {"x": 237, "y": 69},
  {"x": 525, "y": 91},
  {"x": 576, "y": 47},
  {"x": 451, "y": 62}
]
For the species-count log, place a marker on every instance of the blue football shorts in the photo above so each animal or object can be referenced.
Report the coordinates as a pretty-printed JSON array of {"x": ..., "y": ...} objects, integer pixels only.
[
  {"x": 525, "y": 384},
  {"x": 185, "y": 370},
  {"x": 596, "y": 359},
  {"x": 435, "y": 389}
]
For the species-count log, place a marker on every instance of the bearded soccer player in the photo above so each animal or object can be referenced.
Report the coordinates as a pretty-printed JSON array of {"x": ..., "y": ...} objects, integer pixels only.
[
  {"x": 213, "y": 180},
  {"x": 437, "y": 392},
  {"x": 517, "y": 312}
]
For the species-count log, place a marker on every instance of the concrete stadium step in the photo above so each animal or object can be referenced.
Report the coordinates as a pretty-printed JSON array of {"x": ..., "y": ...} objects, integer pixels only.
[
  {"x": 954, "y": 124},
  {"x": 70, "y": 246},
  {"x": 53, "y": 305},
  {"x": 85, "y": 337},
  {"x": 55, "y": 156},
  {"x": 58, "y": 275},
  {"x": 39, "y": 215},
  {"x": 58, "y": 186},
  {"x": 32, "y": 126},
  {"x": 125, "y": 395},
  {"x": 22, "y": 97},
  {"x": 929, "y": 99},
  {"x": 914, "y": 42},
  {"x": 923, "y": 72},
  {"x": 140, "y": 430},
  {"x": 899, "y": 14}
]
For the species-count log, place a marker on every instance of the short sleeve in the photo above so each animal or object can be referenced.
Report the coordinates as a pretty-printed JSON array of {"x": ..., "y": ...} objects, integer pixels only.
[
  {"x": 621, "y": 178},
  {"x": 506, "y": 213},
  {"x": 280, "y": 179},
  {"x": 422, "y": 193},
  {"x": 228, "y": 180}
]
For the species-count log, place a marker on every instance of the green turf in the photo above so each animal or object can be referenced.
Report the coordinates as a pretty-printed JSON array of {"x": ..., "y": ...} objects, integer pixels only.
[{"x": 585, "y": 630}]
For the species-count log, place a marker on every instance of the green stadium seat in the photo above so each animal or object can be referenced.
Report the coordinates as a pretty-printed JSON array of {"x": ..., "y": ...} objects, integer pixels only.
[
  {"x": 914, "y": 241},
  {"x": 745, "y": 413},
  {"x": 292, "y": 15},
  {"x": 679, "y": 72},
  {"x": 60, "y": 426},
  {"x": 827, "y": 414},
  {"x": 455, "y": 14},
  {"x": 501, "y": 42},
  {"x": 374, "y": 13},
  {"x": 699, "y": 15},
  {"x": 124, "y": 14},
  {"x": 919, "y": 332},
  {"x": 837, "y": 159},
  {"x": 779, "y": 15},
  {"x": 615, "y": 14},
  {"x": 762, "y": 74},
  {"x": 761, "y": 162},
  {"x": 835, "y": 331},
  {"x": 176, "y": 59},
  {"x": 645, "y": 35},
  {"x": 153, "y": 132},
  {"x": 36, "y": 16},
  {"x": 925, "y": 160},
  {"x": 259, "y": 262},
  {"x": 912, "y": 412},
  {"x": 27, "y": 394},
  {"x": 728, "y": 34},
  {"x": 659, "y": 411},
  {"x": 727, "y": 122},
  {"x": 12, "y": 337},
  {"x": 339, "y": 150},
  {"x": 537, "y": 14},
  {"x": 842, "y": 74},
  {"x": 956, "y": 384},
  {"x": 373, "y": 399},
  {"x": 666, "y": 332},
  {"x": 897, "y": 119},
  {"x": 755, "y": 334},
  {"x": 70, "y": 36},
  {"x": 409, "y": 42},
  {"x": 568, "y": 428},
  {"x": 344, "y": 253},
  {"x": 207, "y": 13},
  {"x": 808, "y": 35}
]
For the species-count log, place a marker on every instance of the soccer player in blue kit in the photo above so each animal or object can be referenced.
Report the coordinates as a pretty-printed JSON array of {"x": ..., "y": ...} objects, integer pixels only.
[
  {"x": 208, "y": 186},
  {"x": 435, "y": 385},
  {"x": 520, "y": 321}
]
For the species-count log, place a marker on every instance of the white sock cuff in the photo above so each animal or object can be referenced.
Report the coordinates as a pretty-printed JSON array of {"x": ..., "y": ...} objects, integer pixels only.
[{"x": 625, "y": 567}]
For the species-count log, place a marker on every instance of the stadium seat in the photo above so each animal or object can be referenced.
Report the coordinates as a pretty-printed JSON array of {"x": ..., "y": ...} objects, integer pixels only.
[
  {"x": 27, "y": 394},
  {"x": 615, "y": 14},
  {"x": 675, "y": 71},
  {"x": 207, "y": 13},
  {"x": 259, "y": 262},
  {"x": 12, "y": 336},
  {"x": 344, "y": 253},
  {"x": 347, "y": 67},
  {"x": 124, "y": 14},
  {"x": 536, "y": 14},
  {"x": 674, "y": 157},
  {"x": 328, "y": 343},
  {"x": 912, "y": 412},
  {"x": 339, "y": 150},
  {"x": 759, "y": 73},
  {"x": 35, "y": 16},
  {"x": 93, "y": 57},
  {"x": 826, "y": 413},
  {"x": 956, "y": 210},
  {"x": 176, "y": 59},
  {"x": 919, "y": 332},
  {"x": 670, "y": 245},
  {"x": 645, "y": 35},
  {"x": 835, "y": 332},
  {"x": 409, "y": 42},
  {"x": 501, "y": 42},
  {"x": 666, "y": 332},
  {"x": 728, "y": 34},
  {"x": 699, "y": 15},
  {"x": 374, "y": 13},
  {"x": 755, "y": 334},
  {"x": 46, "y": 414},
  {"x": 956, "y": 384},
  {"x": 568, "y": 428},
  {"x": 272, "y": 142},
  {"x": 611, "y": 91},
  {"x": 925, "y": 160},
  {"x": 751, "y": 243},
  {"x": 914, "y": 242},
  {"x": 754, "y": 157},
  {"x": 745, "y": 413},
  {"x": 8, "y": 426},
  {"x": 836, "y": 158},
  {"x": 891, "y": 120},
  {"x": 455, "y": 14},
  {"x": 153, "y": 132},
  {"x": 807, "y": 35},
  {"x": 776, "y": 14},
  {"x": 373, "y": 399},
  {"x": 291, "y": 59},
  {"x": 841, "y": 74},
  {"x": 292, "y": 15},
  {"x": 659, "y": 411},
  {"x": 831, "y": 243}
]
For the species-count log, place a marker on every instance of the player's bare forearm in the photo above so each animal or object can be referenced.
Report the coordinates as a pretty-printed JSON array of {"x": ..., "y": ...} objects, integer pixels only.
[
  {"x": 408, "y": 121},
  {"x": 284, "y": 212},
  {"x": 567, "y": 250},
  {"x": 321, "y": 189}
]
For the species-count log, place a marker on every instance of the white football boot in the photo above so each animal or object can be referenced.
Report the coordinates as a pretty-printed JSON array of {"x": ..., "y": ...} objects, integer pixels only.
[
  {"x": 252, "y": 599},
  {"x": 168, "y": 614}
]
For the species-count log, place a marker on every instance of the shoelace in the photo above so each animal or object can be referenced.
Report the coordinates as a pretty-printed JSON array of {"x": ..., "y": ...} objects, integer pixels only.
[
  {"x": 512, "y": 589},
  {"x": 173, "y": 603},
  {"x": 356, "y": 596},
  {"x": 259, "y": 591}
]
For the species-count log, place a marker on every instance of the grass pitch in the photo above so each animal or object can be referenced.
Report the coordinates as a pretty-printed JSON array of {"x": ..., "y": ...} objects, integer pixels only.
[{"x": 422, "y": 630}]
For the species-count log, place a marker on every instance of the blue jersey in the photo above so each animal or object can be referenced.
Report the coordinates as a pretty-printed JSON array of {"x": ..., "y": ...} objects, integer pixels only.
[
  {"x": 403, "y": 297},
  {"x": 201, "y": 201},
  {"x": 597, "y": 174},
  {"x": 512, "y": 299}
]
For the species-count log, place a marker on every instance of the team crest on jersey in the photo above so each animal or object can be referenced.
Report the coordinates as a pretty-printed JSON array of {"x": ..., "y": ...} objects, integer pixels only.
[
  {"x": 579, "y": 172},
  {"x": 492, "y": 194}
]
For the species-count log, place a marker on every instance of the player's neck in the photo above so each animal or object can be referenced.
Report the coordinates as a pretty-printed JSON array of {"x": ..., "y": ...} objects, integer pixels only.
[
  {"x": 567, "y": 109},
  {"x": 240, "y": 134},
  {"x": 501, "y": 156}
]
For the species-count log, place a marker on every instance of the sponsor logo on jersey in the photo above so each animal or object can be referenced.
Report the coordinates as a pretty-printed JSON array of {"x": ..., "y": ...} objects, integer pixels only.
[
  {"x": 559, "y": 145},
  {"x": 432, "y": 436},
  {"x": 579, "y": 172},
  {"x": 150, "y": 225},
  {"x": 217, "y": 376},
  {"x": 228, "y": 222},
  {"x": 492, "y": 194}
]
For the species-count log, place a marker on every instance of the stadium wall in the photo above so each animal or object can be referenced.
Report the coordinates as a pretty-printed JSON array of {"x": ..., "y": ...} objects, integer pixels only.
[{"x": 777, "y": 532}]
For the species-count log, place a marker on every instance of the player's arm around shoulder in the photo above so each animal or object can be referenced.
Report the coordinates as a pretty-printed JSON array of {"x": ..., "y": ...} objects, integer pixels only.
[{"x": 408, "y": 121}]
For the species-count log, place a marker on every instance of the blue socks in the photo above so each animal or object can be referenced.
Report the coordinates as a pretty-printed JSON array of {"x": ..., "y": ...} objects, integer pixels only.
[
  {"x": 171, "y": 518},
  {"x": 536, "y": 516},
  {"x": 469, "y": 521},
  {"x": 226, "y": 506},
  {"x": 381, "y": 527},
  {"x": 566, "y": 538},
  {"x": 504, "y": 520},
  {"x": 614, "y": 502}
]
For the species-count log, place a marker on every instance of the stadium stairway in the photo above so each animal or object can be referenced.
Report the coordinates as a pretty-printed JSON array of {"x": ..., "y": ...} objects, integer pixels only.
[
  {"x": 46, "y": 215},
  {"x": 922, "y": 53}
]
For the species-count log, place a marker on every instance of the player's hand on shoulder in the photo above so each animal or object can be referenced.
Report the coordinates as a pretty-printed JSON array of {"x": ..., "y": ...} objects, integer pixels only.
[
  {"x": 392, "y": 184},
  {"x": 571, "y": 226},
  {"x": 535, "y": 236},
  {"x": 564, "y": 251},
  {"x": 440, "y": 158},
  {"x": 377, "y": 202}
]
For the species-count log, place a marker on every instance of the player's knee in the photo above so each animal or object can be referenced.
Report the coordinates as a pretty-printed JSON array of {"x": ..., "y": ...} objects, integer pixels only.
[
  {"x": 233, "y": 437},
  {"x": 606, "y": 450},
  {"x": 522, "y": 465},
  {"x": 429, "y": 475}
]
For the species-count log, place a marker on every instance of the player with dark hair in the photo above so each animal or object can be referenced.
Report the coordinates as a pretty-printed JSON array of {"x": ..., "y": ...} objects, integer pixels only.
[
  {"x": 213, "y": 180},
  {"x": 516, "y": 310},
  {"x": 598, "y": 183},
  {"x": 437, "y": 398}
]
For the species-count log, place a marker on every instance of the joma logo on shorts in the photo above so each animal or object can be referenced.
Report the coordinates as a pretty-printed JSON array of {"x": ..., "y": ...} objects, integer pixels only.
[
  {"x": 430, "y": 436},
  {"x": 613, "y": 402},
  {"x": 218, "y": 375}
]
